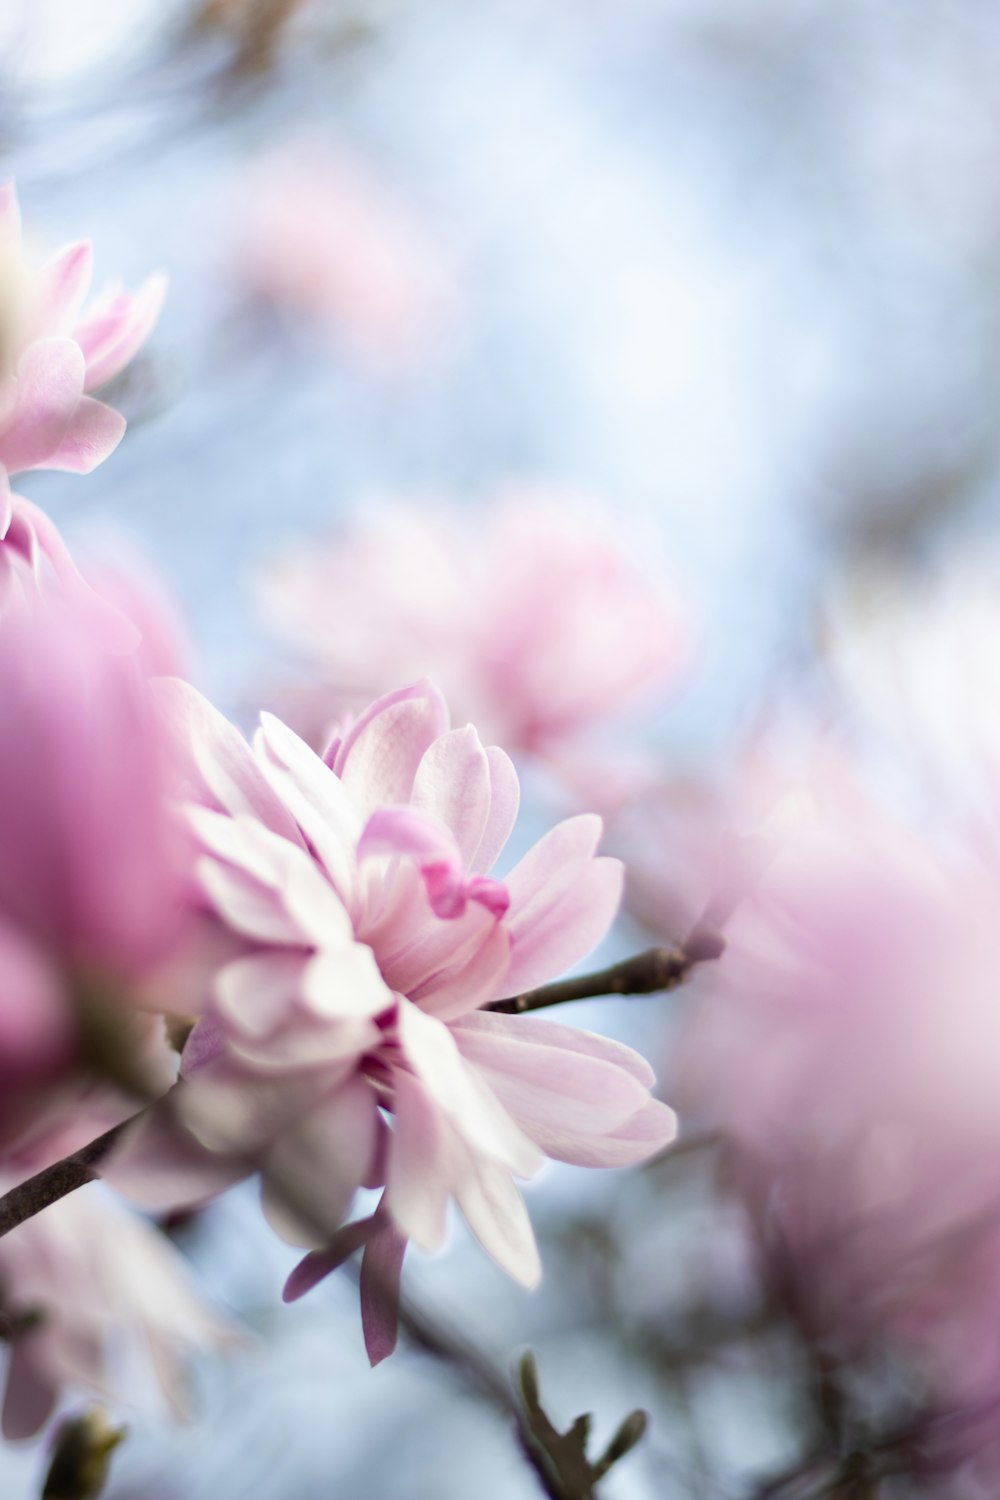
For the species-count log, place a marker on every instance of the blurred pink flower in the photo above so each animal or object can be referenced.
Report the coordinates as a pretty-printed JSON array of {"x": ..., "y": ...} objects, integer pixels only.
[
  {"x": 91, "y": 860},
  {"x": 98, "y": 1301},
  {"x": 323, "y": 238},
  {"x": 369, "y": 935},
  {"x": 532, "y": 617},
  {"x": 848, "y": 1047},
  {"x": 52, "y": 357}
]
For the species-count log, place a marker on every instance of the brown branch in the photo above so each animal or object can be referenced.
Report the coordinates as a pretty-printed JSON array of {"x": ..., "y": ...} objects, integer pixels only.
[
  {"x": 55, "y": 1182},
  {"x": 646, "y": 973}
]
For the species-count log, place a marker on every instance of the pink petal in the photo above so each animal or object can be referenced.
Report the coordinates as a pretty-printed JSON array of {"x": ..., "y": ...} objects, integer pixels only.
[
  {"x": 32, "y": 1387},
  {"x": 63, "y": 283},
  {"x": 318, "y": 1264},
  {"x": 404, "y": 831},
  {"x": 378, "y": 758},
  {"x": 543, "y": 1083},
  {"x": 452, "y": 786},
  {"x": 219, "y": 766},
  {"x": 456, "y": 1089},
  {"x": 417, "y": 1188},
  {"x": 256, "y": 993},
  {"x": 469, "y": 979},
  {"x": 345, "y": 983},
  {"x": 314, "y": 796},
  {"x": 112, "y": 337},
  {"x": 46, "y": 394},
  {"x": 159, "y": 1165},
  {"x": 314, "y": 1169},
  {"x": 381, "y": 1269},
  {"x": 651, "y": 1129},
  {"x": 93, "y": 433},
  {"x": 547, "y": 1033},
  {"x": 505, "y": 795},
  {"x": 495, "y": 1212},
  {"x": 562, "y": 903}
]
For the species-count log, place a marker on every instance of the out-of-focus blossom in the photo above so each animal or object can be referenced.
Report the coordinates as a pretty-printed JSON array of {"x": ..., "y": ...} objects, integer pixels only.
[
  {"x": 94, "y": 1299},
  {"x": 54, "y": 355},
  {"x": 323, "y": 239},
  {"x": 533, "y": 618},
  {"x": 90, "y": 860},
  {"x": 346, "y": 1044},
  {"x": 848, "y": 1047}
]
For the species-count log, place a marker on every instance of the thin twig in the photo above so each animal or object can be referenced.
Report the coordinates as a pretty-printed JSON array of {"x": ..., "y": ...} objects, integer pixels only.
[
  {"x": 55, "y": 1182},
  {"x": 646, "y": 973}
]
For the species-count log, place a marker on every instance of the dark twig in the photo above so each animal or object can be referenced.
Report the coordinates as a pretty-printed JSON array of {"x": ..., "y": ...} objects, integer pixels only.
[
  {"x": 646, "y": 973},
  {"x": 55, "y": 1182}
]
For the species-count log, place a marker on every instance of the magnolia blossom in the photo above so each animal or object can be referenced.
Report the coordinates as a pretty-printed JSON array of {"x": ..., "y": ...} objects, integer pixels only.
[
  {"x": 90, "y": 860},
  {"x": 848, "y": 1047},
  {"x": 532, "y": 617},
  {"x": 322, "y": 238},
  {"x": 346, "y": 1042},
  {"x": 96, "y": 1300},
  {"x": 54, "y": 356}
]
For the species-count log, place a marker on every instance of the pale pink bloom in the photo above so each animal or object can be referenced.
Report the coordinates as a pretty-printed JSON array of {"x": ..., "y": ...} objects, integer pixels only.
[
  {"x": 90, "y": 861},
  {"x": 346, "y": 1042},
  {"x": 323, "y": 238},
  {"x": 532, "y": 616},
  {"x": 100, "y": 1302},
  {"x": 55, "y": 355},
  {"x": 848, "y": 1047}
]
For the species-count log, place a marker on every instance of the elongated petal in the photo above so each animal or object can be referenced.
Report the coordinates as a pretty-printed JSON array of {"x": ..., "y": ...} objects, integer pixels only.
[
  {"x": 381, "y": 1269},
  {"x": 417, "y": 1189},
  {"x": 318, "y": 1264},
  {"x": 505, "y": 795},
  {"x": 548, "y": 1033},
  {"x": 494, "y": 1210},
  {"x": 543, "y": 1083}
]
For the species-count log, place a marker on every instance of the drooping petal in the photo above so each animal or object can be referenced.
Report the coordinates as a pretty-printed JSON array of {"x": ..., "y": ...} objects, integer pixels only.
[
  {"x": 418, "y": 1185},
  {"x": 318, "y": 1264},
  {"x": 494, "y": 1210},
  {"x": 381, "y": 1269}
]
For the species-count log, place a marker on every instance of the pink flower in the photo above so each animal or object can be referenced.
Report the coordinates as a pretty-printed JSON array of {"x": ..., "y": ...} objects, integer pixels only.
[
  {"x": 847, "y": 1046},
  {"x": 90, "y": 860},
  {"x": 53, "y": 357},
  {"x": 533, "y": 618},
  {"x": 322, "y": 238},
  {"x": 368, "y": 933},
  {"x": 98, "y": 1301}
]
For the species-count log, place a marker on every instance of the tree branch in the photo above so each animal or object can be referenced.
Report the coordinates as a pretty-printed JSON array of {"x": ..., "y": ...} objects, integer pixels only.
[
  {"x": 55, "y": 1182},
  {"x": 644, "y": 974}
]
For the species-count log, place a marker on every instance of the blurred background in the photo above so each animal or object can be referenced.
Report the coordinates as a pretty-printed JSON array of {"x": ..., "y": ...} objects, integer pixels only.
[{"x": 729, "y": 271}]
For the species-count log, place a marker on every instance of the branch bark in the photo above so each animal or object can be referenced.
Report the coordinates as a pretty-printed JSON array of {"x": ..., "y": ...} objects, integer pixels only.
[{"x": 55, "y": 1182}]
